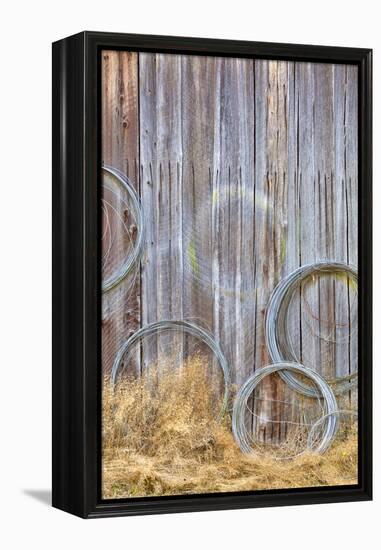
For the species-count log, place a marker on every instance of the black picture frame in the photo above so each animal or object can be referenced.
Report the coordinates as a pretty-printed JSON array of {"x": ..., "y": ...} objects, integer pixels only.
[{"x": 76, "y": 274}]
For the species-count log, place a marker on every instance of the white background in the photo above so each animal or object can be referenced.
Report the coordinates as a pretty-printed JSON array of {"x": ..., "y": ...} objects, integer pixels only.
[{"x": 27, "y": 30}]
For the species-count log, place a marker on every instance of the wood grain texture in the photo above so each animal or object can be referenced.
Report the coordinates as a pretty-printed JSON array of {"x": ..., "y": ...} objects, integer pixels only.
[
  {"x": 248, "y": 170},
  {"x": 199, "y": 111},
  {"x": 271, "y": 178},
  {"x": 324, "y": 116},
  {"x": 218, "y": 177},
  {"x": 120, "y": 149},
  {"x": 161, "y": 158}
]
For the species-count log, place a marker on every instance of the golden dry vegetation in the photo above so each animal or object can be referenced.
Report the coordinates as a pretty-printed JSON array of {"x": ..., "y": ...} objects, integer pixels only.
[{"x": 162, "y": 436}]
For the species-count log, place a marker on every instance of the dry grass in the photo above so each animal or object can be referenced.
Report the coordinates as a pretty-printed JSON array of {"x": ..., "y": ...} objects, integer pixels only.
[{"x": 161, "y": 437}]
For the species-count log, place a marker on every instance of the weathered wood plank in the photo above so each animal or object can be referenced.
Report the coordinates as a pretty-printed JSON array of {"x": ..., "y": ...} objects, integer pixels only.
[
  {"x": 148, "y": 186},
  {"x": 276, "y": 244},
  {"x": 290, "y": 245},
  {"x": 308, "y": 184},
  {"x": 351, "y": 177},
  {"x": 236, "y": 169},
  {"x": 199, "y": 81},
  {"x": 324, "y": 152},
  {"x": 120, "y": 307},
  {"x": 342, "y": 358},
  {"x": 351, "y": 161},
  {"x": 161, "y": 159}
]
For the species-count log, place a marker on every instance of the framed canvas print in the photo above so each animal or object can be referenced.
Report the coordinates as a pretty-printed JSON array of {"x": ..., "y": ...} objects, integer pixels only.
[{"x": 212, "y": 274}]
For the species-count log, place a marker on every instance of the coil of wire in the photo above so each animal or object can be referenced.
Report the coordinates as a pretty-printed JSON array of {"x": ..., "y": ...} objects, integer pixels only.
[
  {"x": 239, "y": 429},
  {"x": 312, "y": 437},
  {"x": 188, "y": 328},
  {"x": 277, "y": 335},
  {"x": 131, "y": 259}
]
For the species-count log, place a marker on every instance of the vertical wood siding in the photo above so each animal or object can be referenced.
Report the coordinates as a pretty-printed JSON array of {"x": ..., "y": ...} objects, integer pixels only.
[
  {"x": 120, "y": 149},
  {"x": 247, "y": 170}
]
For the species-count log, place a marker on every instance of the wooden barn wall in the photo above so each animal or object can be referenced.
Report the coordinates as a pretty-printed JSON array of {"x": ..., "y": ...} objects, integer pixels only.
[
  {"x": 120, "y": 149},
  {"x": 246, "y": 170}
]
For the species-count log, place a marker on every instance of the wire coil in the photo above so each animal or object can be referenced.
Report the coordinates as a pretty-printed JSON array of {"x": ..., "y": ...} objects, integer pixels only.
[
  {"x": 311, "y": 439},
  {"x": 188, "y": 328},
  {"x": 240, "y": 404},
  {"x": 277, "y": 336},
  {"x": 130, "y": 260}
]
